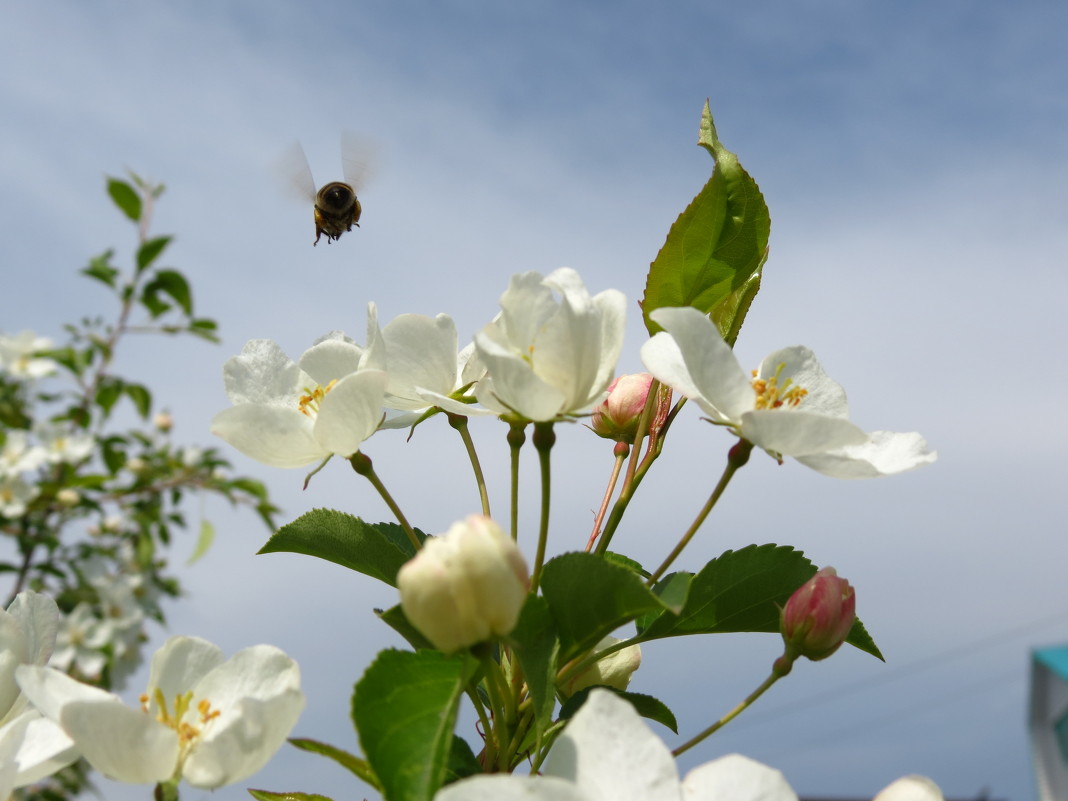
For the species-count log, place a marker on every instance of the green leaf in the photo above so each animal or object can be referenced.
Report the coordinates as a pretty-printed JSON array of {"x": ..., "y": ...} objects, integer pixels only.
[
  {"x": 715, "y": 246},
  {"x": 204, "y": 541},
  {"x": 589, "y": 598},
  {"x": 108, "y": 393},
  {"x": 462, "y": 761},
  {"x": 126, "y": 198},
  {"x": 395, "y": 618},
  {"x": 672, "y": 591},
  {"x": 737, "y": 591},
  {"x": 141, "y": 397},
  {"x": 344, "y": 540},
  {"x": 266, "y": 795},
  {"x": 359, "y": 767},
  {"x": 150, "y": 250},
  {"x": 404, "y": 708},
  {"x": 645, "y": 705},
  {"x": 100, "y": 268},
  {"x": 859, "y": 638},
  {"x": 171, "y": 283},
  {"x": 536, "y": 646}
]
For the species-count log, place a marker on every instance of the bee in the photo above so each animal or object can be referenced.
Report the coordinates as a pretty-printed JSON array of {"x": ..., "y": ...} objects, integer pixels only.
[{"x": 336, "y": 206}]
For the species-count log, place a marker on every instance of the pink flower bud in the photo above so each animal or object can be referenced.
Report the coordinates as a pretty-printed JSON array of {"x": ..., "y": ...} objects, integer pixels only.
[
  {"x": 466, "y": 586},
  {"x": 817, "y": 618},
  {"x": 617, "y": 416}
]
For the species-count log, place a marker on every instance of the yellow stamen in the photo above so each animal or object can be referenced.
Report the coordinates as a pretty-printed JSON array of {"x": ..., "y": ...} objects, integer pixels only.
[
  {"x": 309, "y": 402},
  {"x": 772, "y": 396}
]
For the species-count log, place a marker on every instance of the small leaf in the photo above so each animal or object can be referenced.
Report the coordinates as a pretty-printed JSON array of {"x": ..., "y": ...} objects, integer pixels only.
[
  {"x": 141, "y": 397},
  {"x": 204, "y": 541},
  {"x": 359, "y": 767},
  {"x": 171, "y": 283},
  {"x": 150, "y": 250},
  {"x": 645, "y": 705},
  {"x": 100, "y": 268},
  {"x": 716, "y": 245},
  {"x": 589, "y": 598},
  {"x": 404, "y": 708},
  {"x": 344, "y": 540},
  {"x": 108, "y": 393},
  {"x": 126, "y": 198},
  {"x": 462, "y": 761}
]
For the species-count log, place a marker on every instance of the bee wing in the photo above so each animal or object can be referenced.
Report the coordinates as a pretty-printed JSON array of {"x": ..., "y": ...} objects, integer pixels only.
[
  {"x": 357, "y": 156},
  {"x": 293, "y": 170}
]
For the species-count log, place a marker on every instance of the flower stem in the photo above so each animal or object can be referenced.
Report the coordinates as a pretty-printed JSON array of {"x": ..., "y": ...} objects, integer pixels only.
[
  {"x": 361, "y": 463},
  {"x": 776, "y": 674},
  {"x": 737, "y": 456},
  {"x": 459, "y": 422},
  {"x": 544, "y": 439},
  {"x": 516, "y": 437},
  {"x": 621, "y": 450}
]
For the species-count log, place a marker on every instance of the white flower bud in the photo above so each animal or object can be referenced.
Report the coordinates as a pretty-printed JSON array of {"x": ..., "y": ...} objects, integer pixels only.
[
  {"x": 614, "y": 670},
  {"x": 68, "y": 496},
  {"x": 466, "y": 586}
]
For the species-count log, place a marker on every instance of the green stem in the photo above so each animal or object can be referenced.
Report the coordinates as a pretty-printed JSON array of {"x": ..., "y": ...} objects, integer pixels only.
[
  {"x": 516, "y": 437},
  {"x": 620, "y": 452},
  {"x": 544, "y": 439},
  {"x": 781, "y": 667},
  {"x": 737, "y": 456},
  {"x": 459, "y": 422},
  {"x": 361, "y": 463}
]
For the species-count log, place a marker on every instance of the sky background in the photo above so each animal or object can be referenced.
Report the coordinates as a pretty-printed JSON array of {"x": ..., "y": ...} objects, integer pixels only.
[{"x": 914, "y": 159}]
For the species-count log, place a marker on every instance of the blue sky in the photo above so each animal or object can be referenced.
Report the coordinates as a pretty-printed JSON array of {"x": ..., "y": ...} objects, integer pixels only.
[{"x": 913, "y": 156}]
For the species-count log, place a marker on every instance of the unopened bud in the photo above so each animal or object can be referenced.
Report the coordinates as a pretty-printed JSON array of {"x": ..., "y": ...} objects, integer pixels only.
[
  {"x": 466, "y": 586},
  {"x": 68, "y": 497},
  {"x": 163, "y": 421},
  {"x": 617, "y": 416},
  {"x": 614, "y": 670},
  {"x": 819, "y": 615}
]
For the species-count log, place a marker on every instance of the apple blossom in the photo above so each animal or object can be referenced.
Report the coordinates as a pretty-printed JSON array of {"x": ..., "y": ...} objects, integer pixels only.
[
  {"x": 64, "y": 445},
  {"x": 205, "y": 719},
  {"x": 419, "y": 354},
  {"x": 18, "y": 355},
  {"x": 790, "y": 407},
  {"x": 291, "y": 415},
  {"x": 550, "y": 357},
  {"x": 465, "y": 586},
  {"x": 17, "y": 455},
  {"x": 15, "y": 496},
  {"x": 819, "y": 615}
]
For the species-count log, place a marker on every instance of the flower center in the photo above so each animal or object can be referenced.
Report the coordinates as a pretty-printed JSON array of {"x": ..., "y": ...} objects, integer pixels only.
[
  {"x": 771, "y": 395},
  {"x": 310, "y": 400},
  {"x": 188, "y": 731}
]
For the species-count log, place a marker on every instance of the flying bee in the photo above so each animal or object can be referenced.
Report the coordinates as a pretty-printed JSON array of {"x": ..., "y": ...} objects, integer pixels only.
[{"x": 336, "y": 206}]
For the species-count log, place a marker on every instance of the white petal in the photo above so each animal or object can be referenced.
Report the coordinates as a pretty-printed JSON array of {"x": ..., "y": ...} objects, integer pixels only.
[
  {"x": 38, "y": 617},
  {"x": 262, "y": 373},
  {"x": 610, "y": 753},
  {"x": 910, "y": 788},
  {"x": 525, "y": 306},
  {"x": 800, "y": 365},
  {"x": 704, "y": 366},
  {"x": 885, "y": 453},
  {"x": 271, "y": 435},
  {"x": 331, "y": 358},
  {"x": 450, "y": 405},
  {"x": 350, "y": 412},
  {"x": 11, "y": 736},
  {"x": 513, "y": 788},
  {"x": 512, "y": 384},
  {"x": 798, "y": 433},
  {"x": 736, "y": 778},
  {"x": 421, "y": 352},
  {"x": 179, "y": 664},
  {"x": 45, "y": 749}
]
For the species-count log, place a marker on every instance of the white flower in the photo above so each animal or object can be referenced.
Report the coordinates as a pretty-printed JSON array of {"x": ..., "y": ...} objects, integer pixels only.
[
  {"x": 65, "y": 445},
  {"x": 290, "y": 415},
  {"x": 550, "y": 357},
  {"x": 466, "y": 586},
  {"x": 209, "y": 721},
  {"x": 17, "y": 355},
  {"x": 791, "y": 407},
  {"x": 81, "y": 640},
  {"x": 15, "y": 496},
  {"x": 38, "y": 747},
  {"x": 18, "y": 456},
  {"x": 607, "y": 752},
  {"x": 419, "y": 354}
]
